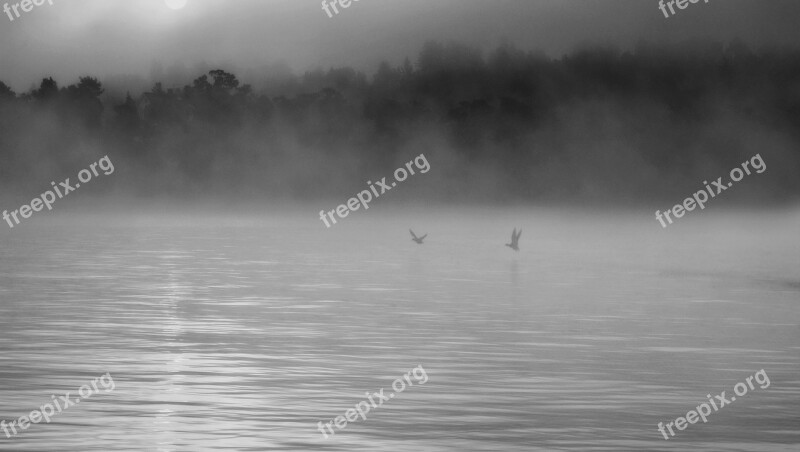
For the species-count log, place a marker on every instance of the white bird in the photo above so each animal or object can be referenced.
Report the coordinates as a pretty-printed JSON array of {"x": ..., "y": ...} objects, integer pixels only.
[
  {"x": 417, "y": 239},
  {"x": 514, "y": 245}
]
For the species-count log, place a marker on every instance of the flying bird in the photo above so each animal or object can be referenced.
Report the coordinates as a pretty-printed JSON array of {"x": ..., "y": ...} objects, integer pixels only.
[
  {"x": 514, "y": 245},
  {"x": 417, "y": 239}
]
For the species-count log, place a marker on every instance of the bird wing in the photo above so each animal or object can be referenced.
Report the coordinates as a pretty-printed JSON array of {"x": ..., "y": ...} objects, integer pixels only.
[
  {"x": 518, "y": 235},
  {"x": 513, "y": 234},
  {"x": 423, "y": 237},
  {"x": 412, "y": 233}
]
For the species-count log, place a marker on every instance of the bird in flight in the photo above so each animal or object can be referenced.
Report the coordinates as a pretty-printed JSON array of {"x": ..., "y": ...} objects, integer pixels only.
[
  {"x": 417, "y": 239},
  {"x": 514, "y": 245}
]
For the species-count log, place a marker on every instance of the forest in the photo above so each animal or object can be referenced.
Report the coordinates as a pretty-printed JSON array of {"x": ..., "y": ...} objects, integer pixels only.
[{"x": 597, "y": 125}]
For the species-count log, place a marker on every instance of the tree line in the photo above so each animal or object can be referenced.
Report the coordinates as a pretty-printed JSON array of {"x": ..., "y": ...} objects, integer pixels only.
[{"x": 596, "y": 124}]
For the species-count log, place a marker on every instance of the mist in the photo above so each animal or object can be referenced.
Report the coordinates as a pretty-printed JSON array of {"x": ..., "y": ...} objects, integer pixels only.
[
  {"x": 258, "y": 219},
  {"x": 511, "y": 125}
]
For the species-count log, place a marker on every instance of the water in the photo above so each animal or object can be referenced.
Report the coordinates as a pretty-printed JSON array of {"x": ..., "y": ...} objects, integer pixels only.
[{"x": 241, "y": 332}]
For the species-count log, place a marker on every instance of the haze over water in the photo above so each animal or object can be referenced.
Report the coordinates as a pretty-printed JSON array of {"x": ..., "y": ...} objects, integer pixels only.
[
  {"x": 186, "y": 148},
  {"x": 241, "y": 332}
]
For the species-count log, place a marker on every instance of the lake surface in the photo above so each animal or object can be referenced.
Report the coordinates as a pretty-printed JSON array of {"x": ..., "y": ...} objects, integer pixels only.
[{"x": 241, "y": 332}]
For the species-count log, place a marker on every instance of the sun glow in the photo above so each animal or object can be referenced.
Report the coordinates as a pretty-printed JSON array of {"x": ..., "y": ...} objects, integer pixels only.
[{"x": 175, "y": 4}]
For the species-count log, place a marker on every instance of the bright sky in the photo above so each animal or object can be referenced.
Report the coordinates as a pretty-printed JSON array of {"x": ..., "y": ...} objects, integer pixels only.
[{"x": 109, "y": 37}]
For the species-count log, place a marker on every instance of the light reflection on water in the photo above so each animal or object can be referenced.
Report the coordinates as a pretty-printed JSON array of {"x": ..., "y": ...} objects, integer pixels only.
[{"x": 242, "y": 334}]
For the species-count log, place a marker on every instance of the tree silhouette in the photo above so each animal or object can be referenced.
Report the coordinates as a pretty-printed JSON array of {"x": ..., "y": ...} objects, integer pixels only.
[
  {"x": 6, "y": 93},
  {"x": 546, "y": 126}
]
